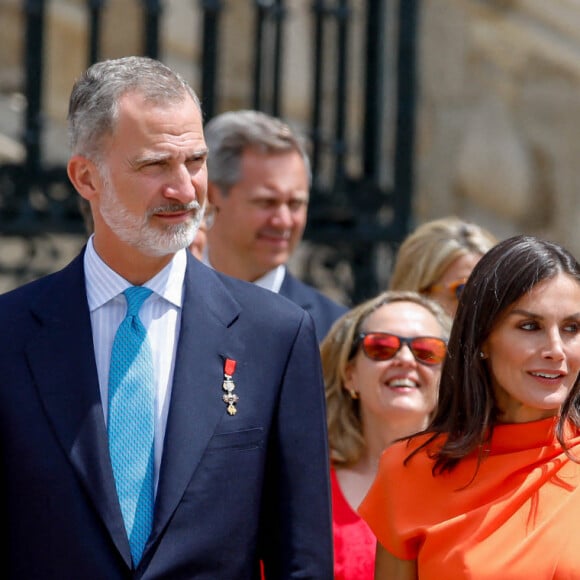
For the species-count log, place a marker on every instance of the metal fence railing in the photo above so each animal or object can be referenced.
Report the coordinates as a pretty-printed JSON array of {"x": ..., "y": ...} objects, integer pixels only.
[{"x": 360, "y": 204}]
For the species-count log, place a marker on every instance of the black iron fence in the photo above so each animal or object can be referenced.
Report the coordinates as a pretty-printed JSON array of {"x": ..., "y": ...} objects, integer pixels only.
[{"x": 362, "y": 165}]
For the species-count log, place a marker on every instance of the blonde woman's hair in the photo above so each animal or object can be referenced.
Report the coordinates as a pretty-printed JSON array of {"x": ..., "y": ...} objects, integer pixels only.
[
  {"x": 345, "y": 433},
  {"x": 427, "y": 252}
]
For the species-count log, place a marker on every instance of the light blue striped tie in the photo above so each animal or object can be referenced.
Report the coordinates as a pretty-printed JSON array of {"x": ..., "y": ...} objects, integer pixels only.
[{"x": 130, "y": 422}]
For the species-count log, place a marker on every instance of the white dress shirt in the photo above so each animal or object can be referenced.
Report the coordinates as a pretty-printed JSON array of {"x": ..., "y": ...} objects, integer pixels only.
[
  {"x": 271, "y": 280},
  {"x": 160, "y": 314}
]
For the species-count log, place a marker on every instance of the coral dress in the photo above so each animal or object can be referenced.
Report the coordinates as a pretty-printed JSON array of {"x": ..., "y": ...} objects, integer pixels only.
[
  {"x": 354, "y": 542},
  {"x": 519, "y": 518}
]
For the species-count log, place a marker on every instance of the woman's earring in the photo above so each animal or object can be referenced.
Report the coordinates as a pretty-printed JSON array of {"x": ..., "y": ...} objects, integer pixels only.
[
  {"x": 481, "y": 354},
  {"x": 353, "y": 394}
]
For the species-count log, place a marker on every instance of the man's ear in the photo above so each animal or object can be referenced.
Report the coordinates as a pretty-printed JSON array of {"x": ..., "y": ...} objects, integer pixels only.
[{"x": 84, "y": 176}]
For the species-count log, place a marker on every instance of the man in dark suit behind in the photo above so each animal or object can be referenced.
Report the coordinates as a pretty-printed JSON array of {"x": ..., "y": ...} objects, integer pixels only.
[
  {"x": 240, "y": 466},
  {"x": 258, "y": 188}
]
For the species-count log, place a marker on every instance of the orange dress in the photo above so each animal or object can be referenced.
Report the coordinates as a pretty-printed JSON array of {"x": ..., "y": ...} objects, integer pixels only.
[{"x": 519, "y": 518}]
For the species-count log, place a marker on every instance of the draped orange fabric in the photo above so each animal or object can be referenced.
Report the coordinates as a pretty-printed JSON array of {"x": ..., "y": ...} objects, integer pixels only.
[{"x": 518, "y": 518}]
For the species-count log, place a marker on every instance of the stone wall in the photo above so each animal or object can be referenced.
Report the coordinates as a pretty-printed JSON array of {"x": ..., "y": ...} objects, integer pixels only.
[{"x": 500, "y": 115}]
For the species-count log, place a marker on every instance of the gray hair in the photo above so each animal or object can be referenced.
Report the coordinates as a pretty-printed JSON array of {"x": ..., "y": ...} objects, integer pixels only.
[
  {"x": 228, "y": 135},
  {"x": 94, "y": 100}
]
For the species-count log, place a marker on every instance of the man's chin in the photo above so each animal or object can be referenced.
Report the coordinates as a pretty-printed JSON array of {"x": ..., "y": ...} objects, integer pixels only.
[
  {"x": 275, "y": 259},
  {"x": 164, "y": 247},
  {"x": 269, "y": 265}
]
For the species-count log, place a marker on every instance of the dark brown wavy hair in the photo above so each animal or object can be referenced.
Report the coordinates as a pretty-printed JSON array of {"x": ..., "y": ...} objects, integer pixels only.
[{"x": 467, "y": 410}]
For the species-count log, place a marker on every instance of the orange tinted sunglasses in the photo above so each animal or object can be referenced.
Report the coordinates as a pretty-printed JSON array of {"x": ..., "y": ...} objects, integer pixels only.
[
  {"x": 381, "y": 346},
  {"x": 455, "y": 288}
]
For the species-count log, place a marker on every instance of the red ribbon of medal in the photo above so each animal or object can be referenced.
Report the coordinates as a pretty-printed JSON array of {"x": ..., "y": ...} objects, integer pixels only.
[{"x": 230, "y": 398}]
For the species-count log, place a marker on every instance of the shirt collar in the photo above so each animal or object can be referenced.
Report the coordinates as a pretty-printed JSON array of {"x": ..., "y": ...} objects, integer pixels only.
[
  {"x": 103, "y": 283},
  {"x": 271, "y": 280}
]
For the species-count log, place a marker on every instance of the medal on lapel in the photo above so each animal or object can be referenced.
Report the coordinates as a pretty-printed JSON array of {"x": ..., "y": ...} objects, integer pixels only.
[{"x": 230, "y": 398}]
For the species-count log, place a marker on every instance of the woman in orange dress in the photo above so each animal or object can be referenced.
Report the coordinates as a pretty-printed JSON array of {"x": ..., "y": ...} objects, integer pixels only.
[
  {"x": 381, "y": 363},
  {"x": 491, "y": 488}
]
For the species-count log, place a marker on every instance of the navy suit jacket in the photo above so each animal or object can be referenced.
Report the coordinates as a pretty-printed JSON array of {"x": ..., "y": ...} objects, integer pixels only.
[
  {"x": 232, "y": 489},
  {"x": 323, "y": 310}
]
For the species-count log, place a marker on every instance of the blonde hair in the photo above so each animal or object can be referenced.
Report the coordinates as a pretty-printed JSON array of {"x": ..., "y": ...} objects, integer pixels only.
[
  {"x": 345, "y": 433},
  {"x": 427, "y": 252}
]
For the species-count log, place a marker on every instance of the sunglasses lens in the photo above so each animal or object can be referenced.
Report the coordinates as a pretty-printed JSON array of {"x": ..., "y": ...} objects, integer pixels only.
[
  {"x": 429, "y": 351},
  {"x": 381, "y": 346},
  {"x": 458, "y": 289}
]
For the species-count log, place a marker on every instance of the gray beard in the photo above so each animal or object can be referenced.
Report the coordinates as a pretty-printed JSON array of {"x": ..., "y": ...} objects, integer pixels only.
[{"x": 137, "y": 231}]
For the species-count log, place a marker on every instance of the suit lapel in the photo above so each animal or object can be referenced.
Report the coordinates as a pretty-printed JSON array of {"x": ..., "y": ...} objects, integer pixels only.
[
  {"x": 70, "y": 391},
  {"x": 196, "y": 400}
]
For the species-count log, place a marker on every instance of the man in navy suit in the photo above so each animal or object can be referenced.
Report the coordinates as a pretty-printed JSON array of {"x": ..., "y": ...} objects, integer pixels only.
[
  {"x": 258, "y": 188},
  {"x": 240, "y": 458}
]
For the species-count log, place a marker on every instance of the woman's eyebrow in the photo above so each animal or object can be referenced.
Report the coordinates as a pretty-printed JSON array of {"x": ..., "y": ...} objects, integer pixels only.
[{"x": 529, "y": 314}]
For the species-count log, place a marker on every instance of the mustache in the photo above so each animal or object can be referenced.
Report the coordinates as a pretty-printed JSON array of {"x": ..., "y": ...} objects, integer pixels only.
[{"x": 176, "y": 207}]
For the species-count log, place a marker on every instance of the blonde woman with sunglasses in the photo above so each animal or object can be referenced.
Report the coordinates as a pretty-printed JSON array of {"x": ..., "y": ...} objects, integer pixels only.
[
  {"x": 437, "y": 258},
  {"x": 381, "y": 363}
]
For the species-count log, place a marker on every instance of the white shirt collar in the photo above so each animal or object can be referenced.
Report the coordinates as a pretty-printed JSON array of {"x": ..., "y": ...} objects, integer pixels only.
[
  {"x": 271, "y": 280},
  {"x": 104, "y": 284}
]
